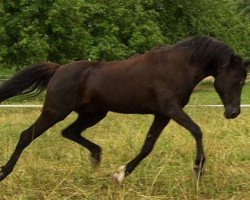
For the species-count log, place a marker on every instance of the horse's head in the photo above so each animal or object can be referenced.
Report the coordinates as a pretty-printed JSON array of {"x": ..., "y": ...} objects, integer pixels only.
[{"x": 228, "y": 83}]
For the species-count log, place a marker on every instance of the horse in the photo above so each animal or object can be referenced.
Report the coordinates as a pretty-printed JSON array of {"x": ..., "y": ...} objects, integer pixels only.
[{"x": 158, "y": 82}]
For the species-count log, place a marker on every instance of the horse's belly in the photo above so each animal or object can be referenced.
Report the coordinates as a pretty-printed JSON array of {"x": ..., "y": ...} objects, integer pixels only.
[{"x": 124, "y": 105}]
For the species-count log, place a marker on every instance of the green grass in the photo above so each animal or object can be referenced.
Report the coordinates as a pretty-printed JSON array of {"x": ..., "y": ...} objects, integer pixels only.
[{"x": 55, "y": 168}]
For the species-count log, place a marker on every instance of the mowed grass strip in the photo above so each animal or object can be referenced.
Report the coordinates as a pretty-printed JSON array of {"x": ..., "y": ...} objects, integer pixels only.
[{"x": 55, "y": 168}]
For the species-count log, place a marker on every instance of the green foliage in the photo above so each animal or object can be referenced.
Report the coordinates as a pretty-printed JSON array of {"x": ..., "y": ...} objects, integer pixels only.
[
  {"x": 244, "y": 7},
  {"x": 62, "y": 31},
  {"x": 55, "y": 168},
  {"x": 23, "y": 39},
  {"x": 67, "y": 30}
]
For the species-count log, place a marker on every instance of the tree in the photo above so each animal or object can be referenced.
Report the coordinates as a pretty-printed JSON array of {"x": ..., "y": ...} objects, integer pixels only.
[
  {"x": 23, "y": 35},
  {"x": 62, "y": 31},
  {"x": 244, "y": 7}
]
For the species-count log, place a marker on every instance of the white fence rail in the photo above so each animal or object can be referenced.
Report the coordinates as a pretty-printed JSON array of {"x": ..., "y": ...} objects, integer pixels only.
[{"x": 20, "y": 106}]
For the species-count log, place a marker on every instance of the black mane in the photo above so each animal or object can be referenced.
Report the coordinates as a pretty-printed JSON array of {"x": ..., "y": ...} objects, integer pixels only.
[{"x": 207, "y": 49}]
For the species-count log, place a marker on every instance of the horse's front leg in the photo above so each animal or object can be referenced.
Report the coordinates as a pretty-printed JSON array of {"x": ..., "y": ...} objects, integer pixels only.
[
  {"x": 155, "y": 130},
  {"x": 177, "y": 114}
]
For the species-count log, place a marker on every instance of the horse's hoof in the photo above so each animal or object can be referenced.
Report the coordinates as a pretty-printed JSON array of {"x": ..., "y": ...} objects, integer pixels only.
[
  {"x": 119, "y": 175},
  {"x": 95, "y": 159},
  {"x": 95, "y": 162}
]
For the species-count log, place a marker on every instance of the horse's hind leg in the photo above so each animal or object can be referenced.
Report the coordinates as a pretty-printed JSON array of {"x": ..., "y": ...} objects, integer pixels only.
[
  {"x": 73, "y": 132},
  {"x": 46, "y": 120}
]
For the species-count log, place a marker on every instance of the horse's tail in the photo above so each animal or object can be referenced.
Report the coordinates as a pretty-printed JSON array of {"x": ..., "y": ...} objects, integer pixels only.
[{"x": 34, "y": 78}]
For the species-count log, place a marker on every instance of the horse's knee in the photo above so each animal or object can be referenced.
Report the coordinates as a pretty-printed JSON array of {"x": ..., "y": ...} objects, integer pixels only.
[
  {"x": 70, "y": 133},
  {"x": 66, "y": 133}
]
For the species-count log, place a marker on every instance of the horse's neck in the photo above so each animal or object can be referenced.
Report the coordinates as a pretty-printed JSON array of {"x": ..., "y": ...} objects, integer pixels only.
[{"x": 202, "y": 74}]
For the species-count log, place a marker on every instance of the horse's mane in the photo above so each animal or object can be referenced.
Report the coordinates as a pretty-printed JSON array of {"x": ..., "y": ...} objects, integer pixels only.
[{"x": 207, "y": 49}]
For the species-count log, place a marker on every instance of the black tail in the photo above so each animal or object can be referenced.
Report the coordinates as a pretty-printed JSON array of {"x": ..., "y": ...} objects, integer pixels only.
[{"x": 34, "y": 78}]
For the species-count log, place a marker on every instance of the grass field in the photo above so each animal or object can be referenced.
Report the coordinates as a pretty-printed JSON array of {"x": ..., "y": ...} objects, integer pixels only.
[{"x": 54, "y": 168}]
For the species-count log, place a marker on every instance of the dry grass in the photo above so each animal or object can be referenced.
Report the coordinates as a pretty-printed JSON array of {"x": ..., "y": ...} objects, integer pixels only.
[{"x": 54, "y": 168}]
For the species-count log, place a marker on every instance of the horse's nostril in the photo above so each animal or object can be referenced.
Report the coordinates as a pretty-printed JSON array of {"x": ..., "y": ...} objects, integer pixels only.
[
  {"x": 234, "y": 114},
  {"x": 231, "y": 113}
]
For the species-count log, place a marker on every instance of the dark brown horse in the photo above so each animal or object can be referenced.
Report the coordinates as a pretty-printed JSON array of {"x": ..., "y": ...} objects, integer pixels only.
[{"x": 158, "y": 82}]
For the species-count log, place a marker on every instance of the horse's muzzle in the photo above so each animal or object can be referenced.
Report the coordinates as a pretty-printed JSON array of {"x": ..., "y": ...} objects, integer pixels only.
[{"x": 231, "y": 112}]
